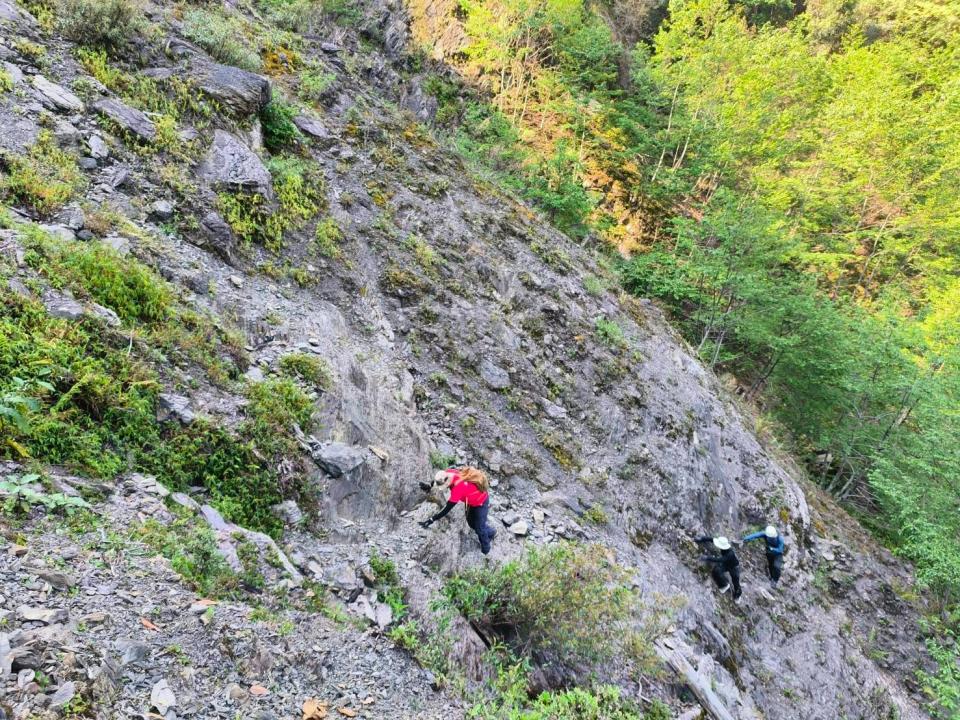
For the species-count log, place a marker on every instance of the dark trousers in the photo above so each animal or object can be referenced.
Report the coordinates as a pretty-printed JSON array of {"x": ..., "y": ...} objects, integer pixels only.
[
  {"x": 477, "y": 520},
  {"x": 774, "y": 566},
  {"x": 720, "y": 578}
]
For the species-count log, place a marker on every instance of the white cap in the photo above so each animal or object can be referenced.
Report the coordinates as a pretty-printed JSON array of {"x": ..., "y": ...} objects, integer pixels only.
[
  {"x": 440, "y": 476},
  {"x": 771, "y": 531},
  {"x": 722, "y": 543}
]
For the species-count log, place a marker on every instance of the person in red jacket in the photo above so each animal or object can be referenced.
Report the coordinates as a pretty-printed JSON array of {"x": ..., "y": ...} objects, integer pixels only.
[{"x": 469, "y": 486}]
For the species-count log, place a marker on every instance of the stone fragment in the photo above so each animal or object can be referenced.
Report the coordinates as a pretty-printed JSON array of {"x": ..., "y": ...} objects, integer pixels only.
[
  {"x": 174, "y": 407},
  {"x": 133, "y": 652},
  {"x": 161, "y": 210},
  {"x": 230, "y": 165},
  {"x": 98, "y": 148},
  {"x": 218, "y": 235},
  {"x": 162, "y": 697},
  {"x": 288, "y": 512},
  {"x": 63, "y": 695},
  {"x": 493, "y": 375},
  {"x": 47, "y": 616},
  {"x": 243, "y": 93},
  {"x": 315, "y": 129},
  {"x": 13, "y": 72},
  {"x": 338, "y": 459},
  {"x": 55, "y": 96},
  {"x": 520, "y": 528},
  {"x": 59, "y": 580},
  {"x": 66, "y": 134},
  {"x": 128, "y": 118}
]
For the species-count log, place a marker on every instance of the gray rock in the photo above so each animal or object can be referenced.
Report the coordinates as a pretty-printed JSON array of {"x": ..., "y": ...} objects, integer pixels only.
[
  {"x": 338, "y": 459},
  {"x": 60, "y": 231},
  {"x": 344, "y": 580},
  {"x": 494, "y": 376},
  {"x": 174, "y": 407},
  {"x": 186, "y": 501},
  {"x": 55, "y": 96},
  {"x": 63, "y": 695},
  {"x": 162, "y": 697},
  {"x": 118, "y": 243},
  {"x": 72, "y": 217},
  {"x": 161, "y": 210},
  {"x": 63, "y": 307},
  {"x": 98, "y": 148},
  {"x": 509, "y": 518},
  {"x": 231, "y": 165},
  {"x": 47, "y": 616},
  {"x": 148, "y": 484},
  {"x": 128, "y": 118},
  {"x": 133, "y": 652},
  {"x": 66, "y": 134},
  {"x": 241, "y": 92},
  {"x": 13, "y": 72},
  {"x": 519, "y": 528},
  {"x": 422, "y": 104},
  {"x": 289, "y": 512},
  {"x": 87, "y": 163},
  {"x": 217, "y": 235},
  {"x": 315, "y": 129},
  {"x": 59, "y": 580}
]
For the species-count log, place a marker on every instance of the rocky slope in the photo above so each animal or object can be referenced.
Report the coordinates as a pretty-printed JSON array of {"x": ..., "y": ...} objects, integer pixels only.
[{"x": 456, "y": 322}]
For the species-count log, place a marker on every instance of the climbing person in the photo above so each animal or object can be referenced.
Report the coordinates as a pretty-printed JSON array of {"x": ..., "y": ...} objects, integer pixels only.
[
  {"x": 725, "y": 565},
  {"x": 774, "y": 542},
  {"x": 471, "y": 487}
]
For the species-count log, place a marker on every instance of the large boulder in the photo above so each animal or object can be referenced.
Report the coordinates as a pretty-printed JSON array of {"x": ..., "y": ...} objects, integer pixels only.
[
  {"x": 128, "y": 118},
  {"x": 337, "y": 459},
  {"x": 231, "y": 165},
  {"x": 217, "y": 235},
  {"x": 242, "y": 93}
]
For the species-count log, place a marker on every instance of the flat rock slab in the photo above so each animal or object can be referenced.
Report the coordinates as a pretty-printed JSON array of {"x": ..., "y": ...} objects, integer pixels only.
[
  {"x": 494, "y": 376},
  {"x": 231, "y": 165},
  {"x": 315, "y": 129},
  {"x": 241, "y": 92},
  {"x": 56, "y": 96},
  {"x": 47, "y": 616},
  {"x": 128, "y": 118},
  {"x": 338, "y": 459}
]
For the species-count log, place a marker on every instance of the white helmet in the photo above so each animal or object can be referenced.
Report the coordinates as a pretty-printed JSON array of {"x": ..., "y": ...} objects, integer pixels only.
[
  {"x": 771, "y": 531},
  {"x": 722, "y": 543},
  {"x": 440, "y": 476}
]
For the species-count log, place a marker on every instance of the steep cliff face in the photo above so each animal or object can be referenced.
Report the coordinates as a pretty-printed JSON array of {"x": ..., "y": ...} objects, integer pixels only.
[{"x": 456, "y": 322}]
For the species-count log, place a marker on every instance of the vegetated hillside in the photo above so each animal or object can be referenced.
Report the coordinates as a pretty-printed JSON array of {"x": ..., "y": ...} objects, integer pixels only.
[{"x": 248, "y": 303}]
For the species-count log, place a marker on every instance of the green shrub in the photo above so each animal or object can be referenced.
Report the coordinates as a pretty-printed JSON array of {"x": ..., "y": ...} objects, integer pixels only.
[
  {"x": 327, "y": 238},
  {"x": 565, "y": 605},
  {"x": 275, "y": 407},
  {"x": 105, "y": 24},
  {"x": 314, "y": 83},
  {"x": 44, "y": 178},
  {"x": 308, "y": 368},
  {"x": 346, "y": 12},
  {"x": 300, "y": 16},
  {"x": 300, "y": 191},
  {"x": 224, "y": 36},
  {"x": 191, "y": 548},
  {"x": 279, "y": 131},
  {"x": 610, "y": 333},
  {"x": 6, "y": 82}
]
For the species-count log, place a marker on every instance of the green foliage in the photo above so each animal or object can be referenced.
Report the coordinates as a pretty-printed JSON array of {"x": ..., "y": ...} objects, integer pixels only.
[
  {"x": 308, "y": 368},
  {"x": 279, "y": 131},
  {"x": 327, "y": 238},
  {"x": 44, "y": 178},
  {"x": 389, "y": 589},
  {"x": 943, "y": 686},
  {"x": 301, "y": 16},
  {"x": 314, "y": 84},
  {"x": 105, "y": 24},
  {"x": 425, "y": 255},
  {"x": 532, "y": 606},
  {"x": 300, "y": 191},
  {"x": 345, "y": 12},
  {"x": 21, "y": 492},
  {"x": 610, "y": 333},
  {"x": 192, "y": 550},
  {"x": 224, "y": 35},
  {"x": 6, "y": 82},
  {"x": 275, "y": 407},
  {"x": 440, "y": 460}
]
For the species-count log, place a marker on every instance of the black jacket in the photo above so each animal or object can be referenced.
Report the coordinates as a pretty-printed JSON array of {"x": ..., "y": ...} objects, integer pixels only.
[{"x": 727, "y": 559}]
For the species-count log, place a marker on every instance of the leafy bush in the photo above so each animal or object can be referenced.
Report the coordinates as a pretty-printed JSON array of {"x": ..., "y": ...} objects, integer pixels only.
[
  {"x": 275, "y": 407},
  {"x": 300, "y": 191},
  {"x": 563, "y": 605},
  {"x": 308, "y": 368},
  {"x": 44, "y": 178},
  {"x": 314, "y": 84},
  {"x": 610, "y": 332},
  {"x": 279, "y": 131},
  {"x": 105, "y": 24},
  {"x": 327, "y": 238},
  {"x": 301, "y": 16},
  {"x": 21, "y": 492},
  {"x": 192, "y": 550},
  {"x": 224, "y": 36},
  {"x": 346, "y": 12}
]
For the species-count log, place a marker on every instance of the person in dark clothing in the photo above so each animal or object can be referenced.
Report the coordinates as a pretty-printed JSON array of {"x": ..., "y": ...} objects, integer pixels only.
[
  {"x": 774, "y": 543},
  {"x": 469, "y": 486},
  {"x": 725, "y": 565}
]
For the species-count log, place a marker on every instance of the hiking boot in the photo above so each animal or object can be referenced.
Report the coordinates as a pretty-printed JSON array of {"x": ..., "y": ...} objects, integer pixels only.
[
  {"x": 725, "y": 588},
  {"x": 773, "y": 584},
  {"x": 736, "y": 598},
  {"x": 493, "y": 534}
]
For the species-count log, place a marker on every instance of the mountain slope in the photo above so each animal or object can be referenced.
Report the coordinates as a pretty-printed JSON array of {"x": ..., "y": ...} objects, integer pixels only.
[{"x": 452, "y": 320}]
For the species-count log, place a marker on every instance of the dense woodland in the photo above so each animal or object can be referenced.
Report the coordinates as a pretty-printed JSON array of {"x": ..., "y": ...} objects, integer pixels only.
[{"x": 787, "y": 181}]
